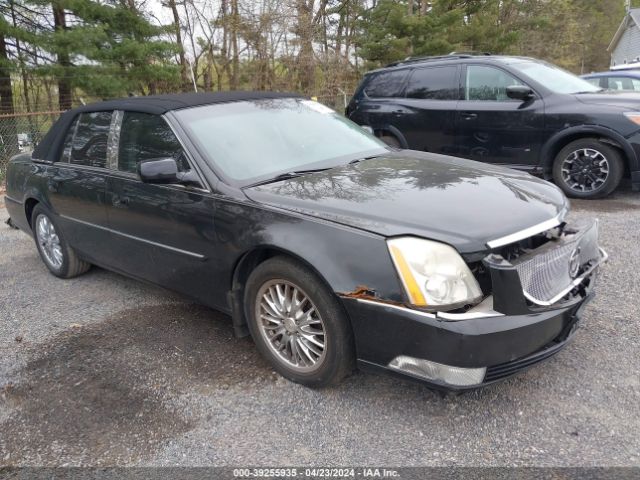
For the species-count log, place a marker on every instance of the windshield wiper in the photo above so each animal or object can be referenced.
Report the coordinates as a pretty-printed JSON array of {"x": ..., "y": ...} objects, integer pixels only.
[
  {"x": 589, "y": 91},
  {"x": 358, "y": 160},
  {"x": 286, "y": 176}
]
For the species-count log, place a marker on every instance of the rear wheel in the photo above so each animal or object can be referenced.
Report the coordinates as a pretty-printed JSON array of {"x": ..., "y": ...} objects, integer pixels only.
[
  {"x": 57, "y": 255},
  {"x": 587, "y": 168},
  {"x": 298, "y": 324},
  {"x": 390, "y": 140}
]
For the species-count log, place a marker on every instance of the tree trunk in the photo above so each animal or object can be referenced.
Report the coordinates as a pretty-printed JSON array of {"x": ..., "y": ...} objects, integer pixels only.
[
  {"x": 235, "y": 57},
  {"x": 184, "y": 72},
  {"x": 9, "y": 137},
  {"x": 64, "y": 61},
  {"x": 306, "y": 63}
]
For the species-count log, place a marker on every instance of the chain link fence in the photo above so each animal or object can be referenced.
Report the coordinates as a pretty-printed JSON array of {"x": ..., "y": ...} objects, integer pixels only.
[
  {"x": 338, "y": 101},
  {"x": 20, "y": 132}
]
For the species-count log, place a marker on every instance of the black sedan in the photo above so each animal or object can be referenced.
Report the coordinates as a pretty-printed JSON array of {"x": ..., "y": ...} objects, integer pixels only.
[{"x": 327, "y": 246}]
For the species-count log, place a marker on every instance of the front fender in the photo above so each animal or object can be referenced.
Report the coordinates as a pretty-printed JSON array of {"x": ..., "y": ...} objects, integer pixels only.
[
  {"x": 347, "y": 259},
  {"x": 561, "y": 138}
]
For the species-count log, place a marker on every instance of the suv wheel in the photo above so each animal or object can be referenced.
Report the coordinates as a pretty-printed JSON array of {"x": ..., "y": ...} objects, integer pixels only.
[
  {"x": 298, "y": 324},
  {"x": 390, "y": 140},
  {"x": 587, "y": 168}
]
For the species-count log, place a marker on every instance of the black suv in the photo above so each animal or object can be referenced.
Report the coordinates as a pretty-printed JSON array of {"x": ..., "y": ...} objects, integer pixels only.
[{"x": 518, "y": 111}]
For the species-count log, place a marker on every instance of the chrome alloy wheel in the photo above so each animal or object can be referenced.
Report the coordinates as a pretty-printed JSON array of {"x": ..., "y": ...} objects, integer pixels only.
[
  {"x": 585, "y": 170},
  {"x": 49, "y": 241},
  {"x": 291, "y": 325}
]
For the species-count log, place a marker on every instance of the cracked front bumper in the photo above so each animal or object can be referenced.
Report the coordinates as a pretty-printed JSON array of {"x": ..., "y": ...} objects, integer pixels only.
[
  {"x": 504, "y": 334},
  {"x": 504, "y": 345}
]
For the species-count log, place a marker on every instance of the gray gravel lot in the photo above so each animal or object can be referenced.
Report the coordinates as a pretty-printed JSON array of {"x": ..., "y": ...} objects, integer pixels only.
[{"x": 104, "y": 370}]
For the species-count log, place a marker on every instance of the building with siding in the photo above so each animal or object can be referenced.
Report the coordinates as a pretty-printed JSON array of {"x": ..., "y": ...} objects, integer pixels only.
[{"x": 625, "y": 45}]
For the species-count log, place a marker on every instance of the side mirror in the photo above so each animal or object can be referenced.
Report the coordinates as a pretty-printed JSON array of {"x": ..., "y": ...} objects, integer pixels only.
[
  {"x": 165, "y": 171},
  {"x": 161, "y": 170},
  {"x": 519, "y": 92}
]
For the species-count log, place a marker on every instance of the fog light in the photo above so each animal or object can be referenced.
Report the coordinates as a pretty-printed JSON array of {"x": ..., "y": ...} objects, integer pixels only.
[{"x": 436, "y": 371}]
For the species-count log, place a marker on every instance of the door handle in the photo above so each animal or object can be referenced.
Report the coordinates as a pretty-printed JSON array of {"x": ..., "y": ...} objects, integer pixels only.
[
  {"x": 468, "y": 115},
  {"x": 120, "y": 201}
]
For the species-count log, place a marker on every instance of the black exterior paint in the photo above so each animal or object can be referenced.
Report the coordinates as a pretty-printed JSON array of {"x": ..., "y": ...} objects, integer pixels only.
[
  {"x": 455, "y": 201},
  {"x": 521, "y": 134},
  {"x": 198, "y": 241}
]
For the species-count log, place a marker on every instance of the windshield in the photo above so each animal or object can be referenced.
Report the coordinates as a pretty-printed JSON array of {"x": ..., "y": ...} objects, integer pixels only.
[
  {"x": 256, "y": 140},
  {"x": 555, "y": 78}
]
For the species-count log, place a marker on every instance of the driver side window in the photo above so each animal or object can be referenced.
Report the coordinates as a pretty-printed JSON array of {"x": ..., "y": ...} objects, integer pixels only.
[
  {"x": 488, "y": 83},
  {"x": 144, "y": 136}
]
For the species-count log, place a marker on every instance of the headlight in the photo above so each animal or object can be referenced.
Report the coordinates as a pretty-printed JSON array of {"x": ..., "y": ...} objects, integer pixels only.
[
  {"x": 633, "y": 116},
  {"x": 433, "y": 274}
]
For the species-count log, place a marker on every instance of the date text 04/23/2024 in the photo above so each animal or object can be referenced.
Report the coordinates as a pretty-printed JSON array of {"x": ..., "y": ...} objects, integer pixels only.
[{"x": 315, "y": 472}]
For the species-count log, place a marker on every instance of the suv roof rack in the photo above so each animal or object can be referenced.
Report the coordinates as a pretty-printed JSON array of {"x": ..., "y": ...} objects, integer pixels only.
[
  {"x": 452, "y": 55},
  {"x": 472, "y": 53}
]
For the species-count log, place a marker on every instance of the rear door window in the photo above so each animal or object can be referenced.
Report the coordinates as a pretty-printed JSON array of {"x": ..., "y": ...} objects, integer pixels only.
[
  {"x": 386, "y": 84},
  {"x": 624, "y": 83},
  {"x": 436, "y": 83},
  {"x": 488, "y": 83},
  {"x": 145, "y": 136},
  {"x": 90, "y": 141}
]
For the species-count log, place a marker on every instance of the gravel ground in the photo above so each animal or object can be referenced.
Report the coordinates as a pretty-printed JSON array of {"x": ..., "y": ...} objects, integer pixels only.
[{"x": 103, "y": 370}]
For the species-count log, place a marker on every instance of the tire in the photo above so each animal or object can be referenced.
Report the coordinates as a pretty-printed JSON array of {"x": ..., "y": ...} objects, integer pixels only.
[
  {"x": 55, "y": 252},
  {"x": 391, "y": 140},
  {"x": 590, "y": 153},
  {"x": 333, "y": 362}
]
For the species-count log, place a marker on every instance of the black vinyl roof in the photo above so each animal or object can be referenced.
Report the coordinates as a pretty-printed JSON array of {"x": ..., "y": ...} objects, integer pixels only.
[
  {"x": 160, "y": 104},
  {"x": 51, "y": 144}
]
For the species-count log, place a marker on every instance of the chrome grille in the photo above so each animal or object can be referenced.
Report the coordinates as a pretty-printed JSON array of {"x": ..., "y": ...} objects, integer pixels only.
[{"x": 549, "y": 272}]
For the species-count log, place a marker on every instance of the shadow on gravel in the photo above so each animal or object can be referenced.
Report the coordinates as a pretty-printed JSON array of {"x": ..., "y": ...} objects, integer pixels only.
[
  {"x": 97, "y": 393},
  {"x": 605, "y": 205}
]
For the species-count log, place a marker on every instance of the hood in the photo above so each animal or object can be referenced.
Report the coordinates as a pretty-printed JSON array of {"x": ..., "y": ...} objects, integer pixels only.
[
  {"x": 623, "y": 99},
  {"x": 459, "y": 202}
]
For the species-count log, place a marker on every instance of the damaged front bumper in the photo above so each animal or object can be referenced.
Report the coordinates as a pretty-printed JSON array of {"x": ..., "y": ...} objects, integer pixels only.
[{"x": 510, "y": 331}]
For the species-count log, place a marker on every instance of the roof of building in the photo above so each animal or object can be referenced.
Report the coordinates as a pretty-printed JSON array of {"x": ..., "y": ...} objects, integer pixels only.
[
  {"x": 632, "y": 15},
  {"x": 50, "y": 146},
  {"x": 630, "y": 73}
]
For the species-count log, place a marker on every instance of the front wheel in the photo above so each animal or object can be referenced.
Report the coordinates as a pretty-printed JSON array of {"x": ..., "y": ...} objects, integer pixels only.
[
  {"x": 298, "y": 324},
  {"x": 588, "y": 168}
]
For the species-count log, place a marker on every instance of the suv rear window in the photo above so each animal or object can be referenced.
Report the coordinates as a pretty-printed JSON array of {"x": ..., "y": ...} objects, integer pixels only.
[
  {"x": 386, "y": 84},
  {"x": 436, "y": 83}
]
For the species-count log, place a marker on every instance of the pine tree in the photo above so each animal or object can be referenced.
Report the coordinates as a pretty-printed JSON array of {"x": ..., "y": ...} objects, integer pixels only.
[{"x": 99, "y": 49}]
